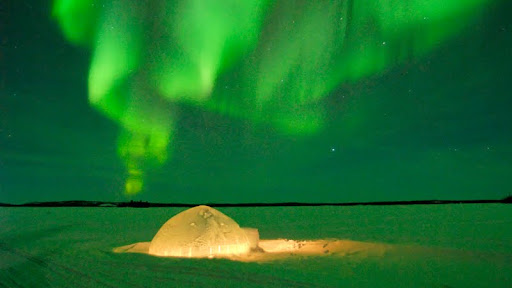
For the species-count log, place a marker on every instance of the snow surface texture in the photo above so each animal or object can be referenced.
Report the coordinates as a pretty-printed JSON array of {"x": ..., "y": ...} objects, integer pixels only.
[
  {"x": 200, "y": 232},
  {"x": 427, "y": 246}
]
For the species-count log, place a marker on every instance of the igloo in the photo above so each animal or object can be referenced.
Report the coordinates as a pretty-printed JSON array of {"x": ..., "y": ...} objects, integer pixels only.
[
  {"x": 204, "y": 232},
  {"x": 201, "y": 232}
]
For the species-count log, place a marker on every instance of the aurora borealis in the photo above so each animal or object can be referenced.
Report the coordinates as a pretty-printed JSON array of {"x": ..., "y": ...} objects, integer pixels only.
[{"x": 215, "y": 101}]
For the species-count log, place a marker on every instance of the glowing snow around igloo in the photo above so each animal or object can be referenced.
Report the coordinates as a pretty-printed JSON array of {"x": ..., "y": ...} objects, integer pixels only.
[{"x": 202, "y": 231}]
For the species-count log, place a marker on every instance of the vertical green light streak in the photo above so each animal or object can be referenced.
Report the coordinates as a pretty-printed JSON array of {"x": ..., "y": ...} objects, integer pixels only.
[
  {"x": 77, "y": 19},
  {"x": 206, "y": 37}
]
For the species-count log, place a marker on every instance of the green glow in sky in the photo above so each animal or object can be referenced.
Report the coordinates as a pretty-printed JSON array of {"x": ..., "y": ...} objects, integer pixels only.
[
  {"x": 272, "y": 62},
  {"x": 197, "y": 40}
]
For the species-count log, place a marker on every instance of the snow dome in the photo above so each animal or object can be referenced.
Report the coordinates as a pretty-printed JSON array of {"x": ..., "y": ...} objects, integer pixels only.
[
  {"x": 204, "y": 232},
  {"x": 201, "y": 232}
]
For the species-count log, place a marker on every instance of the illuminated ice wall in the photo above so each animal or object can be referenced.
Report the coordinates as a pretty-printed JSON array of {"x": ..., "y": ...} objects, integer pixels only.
[{"x": 271, "y": 62}]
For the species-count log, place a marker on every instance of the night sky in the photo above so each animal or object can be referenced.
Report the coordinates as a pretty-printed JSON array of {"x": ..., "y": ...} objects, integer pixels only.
[{"x": 272, "y": 102}]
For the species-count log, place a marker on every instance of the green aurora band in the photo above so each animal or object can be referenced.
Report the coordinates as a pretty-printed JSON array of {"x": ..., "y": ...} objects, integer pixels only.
[{"x": 284, "y": 56}]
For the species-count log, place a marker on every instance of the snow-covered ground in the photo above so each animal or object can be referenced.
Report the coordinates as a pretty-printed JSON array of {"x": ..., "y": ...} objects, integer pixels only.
[{"x": 427, "y": 246}]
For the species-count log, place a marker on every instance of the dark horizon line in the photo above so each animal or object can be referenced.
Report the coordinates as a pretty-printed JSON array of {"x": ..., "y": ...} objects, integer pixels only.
[{"x": 145, "y": 204}]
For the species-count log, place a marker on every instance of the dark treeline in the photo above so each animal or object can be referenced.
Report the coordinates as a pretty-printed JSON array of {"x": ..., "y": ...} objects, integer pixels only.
[{"x": 145, "y": 204}]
